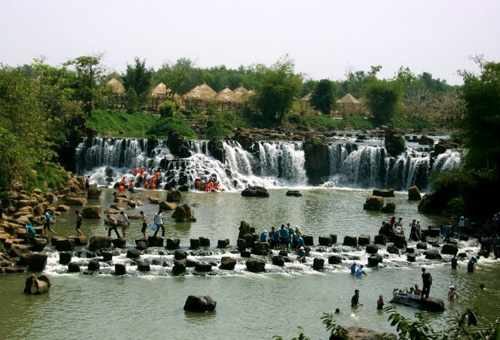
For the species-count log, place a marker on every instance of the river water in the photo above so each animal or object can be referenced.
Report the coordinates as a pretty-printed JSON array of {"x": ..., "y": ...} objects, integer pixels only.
[{"x": 249, "y": 305}]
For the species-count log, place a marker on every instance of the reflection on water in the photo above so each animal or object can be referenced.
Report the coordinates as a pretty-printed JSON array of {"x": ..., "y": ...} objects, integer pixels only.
[{"x": 249, "y": 305}]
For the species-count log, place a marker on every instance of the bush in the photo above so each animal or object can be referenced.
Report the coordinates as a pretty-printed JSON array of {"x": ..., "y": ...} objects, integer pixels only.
[
  {"x": 163, "y": 126},
  {"x": 47, "y": 176},
  {"x": 168, "y": 108}
]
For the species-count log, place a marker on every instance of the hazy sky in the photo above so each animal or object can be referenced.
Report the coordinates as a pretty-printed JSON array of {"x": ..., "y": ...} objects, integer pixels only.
[{"x": 325, "y": 38}]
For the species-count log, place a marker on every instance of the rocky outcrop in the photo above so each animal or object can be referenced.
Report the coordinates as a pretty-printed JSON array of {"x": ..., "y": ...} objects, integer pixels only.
[
  {"x": 199, "y": 304},
  {"x": 317, "y": 161},
  {"x": 177, "y": 144},
  {"x": 414, "y": 193},
  {"x": 183, "y": 213}
]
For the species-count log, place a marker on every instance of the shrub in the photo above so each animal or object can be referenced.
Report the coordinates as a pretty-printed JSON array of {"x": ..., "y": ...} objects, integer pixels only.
[
  {"x": 163, "y": 126},
  {"x": 168, "y": 108}
]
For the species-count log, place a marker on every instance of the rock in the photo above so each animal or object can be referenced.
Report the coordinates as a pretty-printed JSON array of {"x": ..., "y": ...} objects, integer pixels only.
[
  {"x": 261, "y": 248},
  {"x": 180, "y": 254},
  {"x": 143, "y": 266},
  {"x": 120, "y": 269},
  {"x": 383, "y": 192},
  {"x": 92, "y": 212},
  {"x": 373, "y": 261},
  {"x": 65, "y": 257},
  {"x": 202, "y": 266},
  {"x": 194, "y": 243},
  {"x": 363, "y": 240},
  {"x": 73, "y": 267},
  {"x": 227, "y": 263},
  {"x": 183, "y": 213},
  {"x": 246, "y": 254},
  {"x": 333, "y": 237},
  {"x": 372, "y": 249},
  {"x": 204, "y": 242},
  {"x": 316, "y": 154},
  {"x": 278, "y": 260},
  {"x": 94, "y": 192},
  {"x": 93, "y": 265},
  {"x": 221, "y": 244},
  {"x": 335, "y": 259},
  {"x": 392, "y": 249},
  {"x": 99, "y": 242},
  {"x": 433, "y": 255},
  {"x": 37, "y": 285},
  {"x": 256, "y": 265},
  {"x": 141, "y": 244},
  {"x": 107, "y": 256},
  {"x": 174, "y": 195},
  {"x": 422, "y": 245},
  {"x": 318, "y": 264},
  {"x": 374, "y": 203},
  {"x": 75, "y": 200},
  {"x": 293, "y": 193},
  {"x": 79, "y": 240},
  {"x": 411, "y": 257},
  {"x": 245, "y": 228},
  {"x": 133, "y": 254},
  {"x": 179, "y": 267},
  {"x": 380, "y": 239},
  {"x": 414, "y": 193},
  {"x": 119, "y": 242},
  {"x": 308, "y": 240},
  {"x": 62, "y": 243},
  {"x": 155, "y": 241},
  {"x": 389, "y": 208},
  {"x": 199, "y": 304},
  {"x": 167, "y": 206},
  {"x": 449, "y": 249},
  {"x": 350, "y": 241},
  {"x": 173, "y": 243},
  {"x": 37, "y": 262},
  {"x": 325, "y": 241},
  {"x": 415, "y": 301},
  {"x": 255, "y": 191}
]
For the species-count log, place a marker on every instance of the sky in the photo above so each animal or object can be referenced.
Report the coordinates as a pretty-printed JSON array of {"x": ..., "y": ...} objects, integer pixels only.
[{"x": 325, "y": 38}]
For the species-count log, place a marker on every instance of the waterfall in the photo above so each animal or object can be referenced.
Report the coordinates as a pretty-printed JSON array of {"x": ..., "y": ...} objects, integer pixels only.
[{"x": 264, "y": 163}]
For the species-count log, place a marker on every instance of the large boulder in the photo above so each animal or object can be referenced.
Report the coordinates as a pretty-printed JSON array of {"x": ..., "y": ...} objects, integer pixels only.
[
  {"x": 245, "y": 228},
  {"x": 63, "y": 243},
  {"x": 414, "y": 193},
  {"x": 37, "y": 262},
  {"x": 167, "y": 206},
  {"x": 256, "y": 265},
  {"x": 92, "y": 212},
  {"x": 317, "y": 161},
  {"x": 255, "y": 191},
  {"x": 37, "y": 285},
  {"x": 75, "y": 200},
  {"x": 374, "y": 203},
  {"x": 450, "y": 249},
  {"x": 227, "y": 263},
  {"x": 183, "y": 213},
  {"x": 389, "y": 208},
  {"x": 94, "y": 192},
  {"x": 199, "y": 304},
  {"x": 99, "y": 242},
  {"x": 174, "y": 195}
]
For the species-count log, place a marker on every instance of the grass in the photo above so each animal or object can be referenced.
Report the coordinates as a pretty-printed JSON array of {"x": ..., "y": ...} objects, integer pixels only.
[{"x": 114, "y": 123}]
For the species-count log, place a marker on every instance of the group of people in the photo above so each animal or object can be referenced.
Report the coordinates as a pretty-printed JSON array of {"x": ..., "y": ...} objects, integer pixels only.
[
  {"x": 355, "y": 301},
  {"x": 112, "y": 224},
  {"x": 211, "y": 185},
  {"x": 285, "y": 238},
  {"x": 398, "y": 229},
  {"x": 357, "y": 271}
]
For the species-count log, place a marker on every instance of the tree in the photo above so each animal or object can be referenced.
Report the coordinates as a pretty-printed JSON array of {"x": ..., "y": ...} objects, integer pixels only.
[
  {"x": 138, "y": 78},
  {"x": 89, "y": 74},
  {"x": 322, "y": 98},
  {"x": 277, "y": 89},
  {"x": 382, "y": 98}
]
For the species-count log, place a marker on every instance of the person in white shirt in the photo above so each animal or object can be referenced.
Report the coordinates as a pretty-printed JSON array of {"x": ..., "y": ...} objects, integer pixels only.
[
  {"x": 125, "y": 223},
  {"x": 159, "y": 223}
]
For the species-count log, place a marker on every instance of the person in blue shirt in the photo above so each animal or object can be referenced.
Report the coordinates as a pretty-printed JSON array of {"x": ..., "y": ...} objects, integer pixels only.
[
  {"x": 30, "y": 233},
  {"x": 272, "y": 238},
  {"x": 48, "y": 223},
  {"x": 263, "y": 236},
  {"x": 353, "y": 268},
  {"x": 301, "y": 255},
  {"x": 454, "y": 262},
  {"x": 284, "y": 237},
  {"x": 360, "y": 272}
]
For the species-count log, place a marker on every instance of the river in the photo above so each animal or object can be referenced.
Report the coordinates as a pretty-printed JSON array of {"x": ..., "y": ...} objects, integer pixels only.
[{"x": 249, "y": 305}]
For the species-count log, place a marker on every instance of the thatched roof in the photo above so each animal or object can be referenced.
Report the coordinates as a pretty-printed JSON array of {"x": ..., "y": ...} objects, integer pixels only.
[
  {"x": 348, "y": 99},
  {"x": 160, "y": 90},
  {"x": 117, "y": 87},
  {"x": 240, "y": 91},
  {"x": 306, "y": 98},
  {"x": 228, "y": 96},
  {"x": 200, "y": 93}
]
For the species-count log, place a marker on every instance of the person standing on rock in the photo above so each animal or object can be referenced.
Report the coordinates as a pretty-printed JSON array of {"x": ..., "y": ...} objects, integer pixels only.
[
  {"x": 125, "y": 223},
  {"x": 48, "y": 223},
  {"x": 144, "y": 223},
  {"x": 79, "y": 220},
  {"x": 427, "y": 282},
  {"x": 112, "y": 226},
  {"x": 159, "y": 223}
]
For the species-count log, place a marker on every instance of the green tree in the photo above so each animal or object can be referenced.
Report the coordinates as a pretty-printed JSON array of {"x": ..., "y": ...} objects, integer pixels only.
[
  {"x": 382, "y": 98},
  {"x": 138, "y": 78},
  {"x": 322, "y": 98},
  {"x": 89, "y": 74},
  {"x": 277, "y": 89}
]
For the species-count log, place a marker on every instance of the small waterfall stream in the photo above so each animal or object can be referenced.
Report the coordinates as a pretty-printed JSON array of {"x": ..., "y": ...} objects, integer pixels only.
[{"x": 266, "y": 163}]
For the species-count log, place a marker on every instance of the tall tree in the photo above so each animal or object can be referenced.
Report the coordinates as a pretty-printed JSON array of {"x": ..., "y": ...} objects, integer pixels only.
[
  {"x": 278, "y": 87},
  {"x": 322, "y": 97},
  {"x": 137, "y": 78},
  {"x": 89, "y": 74},
  {"x": 382, "y": 98}
]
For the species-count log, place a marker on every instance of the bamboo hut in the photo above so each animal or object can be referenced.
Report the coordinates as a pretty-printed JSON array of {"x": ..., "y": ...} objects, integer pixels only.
[
  {"x": 118, "y": 92},
  {"x": 349, "y": 104},
  {"x": 305, "y": 102},
  {"x": 228, "y": 98},
  {"x": 158, "y": 94},
  {"x": 201, "y": 95}
]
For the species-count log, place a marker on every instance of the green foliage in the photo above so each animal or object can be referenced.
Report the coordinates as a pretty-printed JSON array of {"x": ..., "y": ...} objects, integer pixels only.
[
  {"x": 481, "y": 118},
  {"x": 163, "y": 126},
  {"x": 382, "y": 98},
  {"x": 138, "y": 78},
  {"x": 46, "y": 176},
  {"x": 322, "y": 98},
  {"x": 277, "y": 89},
  {"x": 113, "y": 122},
  {"x": 168, "y": 108}
]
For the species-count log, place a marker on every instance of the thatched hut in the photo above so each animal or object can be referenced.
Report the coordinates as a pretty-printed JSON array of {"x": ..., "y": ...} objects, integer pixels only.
[
  {"x": 305, "y": 102},
  {"x": 158, "y": 94},
  {"x": 349, "y": 104},
  {"x": 118, "y": 92},
  {"x": 200, "y": 95},
  {"x": 228, "y": 98}
]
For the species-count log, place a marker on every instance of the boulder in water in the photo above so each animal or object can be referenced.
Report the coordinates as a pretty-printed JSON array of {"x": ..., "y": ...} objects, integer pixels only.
[
  {"x": 415, "y": 301},
  {"x": 199, "y": 304},
  {"x": 255, "y": 191},
  {"x": 37, "y": 285}
]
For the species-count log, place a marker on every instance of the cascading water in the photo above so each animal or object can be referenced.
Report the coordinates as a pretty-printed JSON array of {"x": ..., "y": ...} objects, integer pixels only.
[{"x": 265, "y": 163}]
